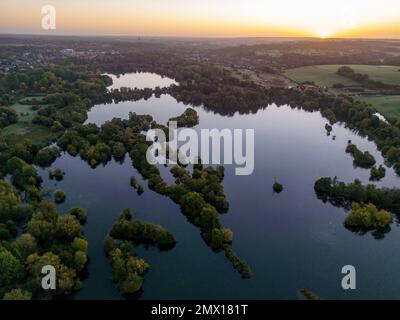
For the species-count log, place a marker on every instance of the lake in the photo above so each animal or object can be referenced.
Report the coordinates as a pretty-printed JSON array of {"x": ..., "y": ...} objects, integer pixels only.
[{"x": 291, "y": 240}]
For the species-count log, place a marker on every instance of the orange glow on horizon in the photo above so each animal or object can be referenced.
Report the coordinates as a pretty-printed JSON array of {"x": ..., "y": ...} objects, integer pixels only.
[{"x": 209, "y": 18}]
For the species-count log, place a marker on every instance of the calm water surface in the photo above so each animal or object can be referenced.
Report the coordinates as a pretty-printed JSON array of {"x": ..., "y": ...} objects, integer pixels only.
[{"x": 291, "y": 240}]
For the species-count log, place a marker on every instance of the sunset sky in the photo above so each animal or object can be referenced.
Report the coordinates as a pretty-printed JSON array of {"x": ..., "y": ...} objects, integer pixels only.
[{"x": 208, "y": 18}]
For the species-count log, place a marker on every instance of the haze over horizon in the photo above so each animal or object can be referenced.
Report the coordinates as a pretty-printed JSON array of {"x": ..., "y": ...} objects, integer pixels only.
[{"x": 208, "y": 18}]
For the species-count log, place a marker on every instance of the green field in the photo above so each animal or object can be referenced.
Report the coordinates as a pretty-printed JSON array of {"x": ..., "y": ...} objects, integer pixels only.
[
  {"x": 25, "y": 112},
  {"x": 325, "y": 76},
  {"x": 388, "y": 106},
  {"x": 20, "y": 131},
  {"x": 24, "y": 128}
]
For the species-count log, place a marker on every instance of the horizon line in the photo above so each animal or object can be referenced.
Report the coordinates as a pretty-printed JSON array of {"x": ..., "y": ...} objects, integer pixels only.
[{"x": 188, "y": 37}]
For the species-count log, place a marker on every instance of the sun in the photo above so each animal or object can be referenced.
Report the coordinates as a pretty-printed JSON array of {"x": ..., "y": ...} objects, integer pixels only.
[{"x": 323, "y": 34}]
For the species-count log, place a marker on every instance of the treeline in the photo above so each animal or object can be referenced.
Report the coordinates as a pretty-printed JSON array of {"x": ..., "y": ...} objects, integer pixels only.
[
  {"x": 365, "y": 81},
  {"x": 371, "y": 207},
  {"x": 139, "y": 232},
  {"x": 344, "y": 195},
  {"x": 127, "y": 269}
]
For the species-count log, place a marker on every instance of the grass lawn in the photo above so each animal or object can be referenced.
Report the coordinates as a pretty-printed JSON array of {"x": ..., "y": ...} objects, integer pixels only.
[
  {"x": 24, "y": 128},
  {"x": 388, "y": 106},
  {"x": 20, "y": 131},
  {"x": 25, "y": 113},
  {"x": 325, "y": 76}
]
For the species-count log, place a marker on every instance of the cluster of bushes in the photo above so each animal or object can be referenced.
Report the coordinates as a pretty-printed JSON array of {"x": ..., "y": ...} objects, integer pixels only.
[
  {"x": 141, "y": 232},
  {"x": 239, "y": 264},
  {"x": 344, "y": 195},
  {"x": 131, "y": 94},
  {"x": 13, "y": 212},
  {"x": 50, "y": 239},
  {"x": 57, "y": 174},
  {"x": 187, "y": 119},
  {"x": 277, "y": 187},
  {"x": 361, "y": 159},
  {"x": 79, "y": 214},
  {"x": 206, "y": 181},
  {"x": 7, "y": 116},
  {"x": 114, "y": 138},
  {"x": 364, "y": 79},
  {"x": 367, "y": 217},
  {"x": 59, "y": 196},
  {"x": 306, "y": 294},
  {"x": 24, "y": 176},
  {"x": 349, "y": 73},
  {"x": 139, "y": 189},
  {"x": 377, "y": 174},
  {"x": 127, "y": 269},
  {"x": 47, "y": 156}
]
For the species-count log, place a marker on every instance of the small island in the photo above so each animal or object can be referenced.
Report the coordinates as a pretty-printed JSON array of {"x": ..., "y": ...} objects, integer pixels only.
[
  {"x": 187, "y": 119},
  {"x": 56, "y": 174},
  {"x": 377, "y": 174},
  {"x": 139, "y": 189},
  {"x": 59, "y": 196},
  {"x": 127, "y": 269},
  {"x": 277, "y": 187},
  {"x": 361, "y": 159}
]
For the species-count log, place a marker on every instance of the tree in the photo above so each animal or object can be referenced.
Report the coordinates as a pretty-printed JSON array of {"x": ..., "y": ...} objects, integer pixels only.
[
  {"x": 368, "y": 217},
  {"x": 192, "y": 203},
  {"x": 18, "y": 294},
  {"x": 220, "y": 238},
  {"x": 66, "y": 277},
  {"x": 11, "y": 268},
  {"x": 10, "y": 202},
  {"x": 46, "y": 157},
  {"x": 68, "y": 228},
  {"x": 57, "y": 174},
  {"x": 80, "y": 260},
  {"x": 277, "y": 187},
  {"x": 80, "y": 214},
  {"x": 131, "y": 284},
  {"x": 25, "y": 245},
  {"x": 377, "y": 174},
  {"x": 59, "y": 196},
  {"x": 118, "y": 150},
  {"x": 80, "y": 244}
]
